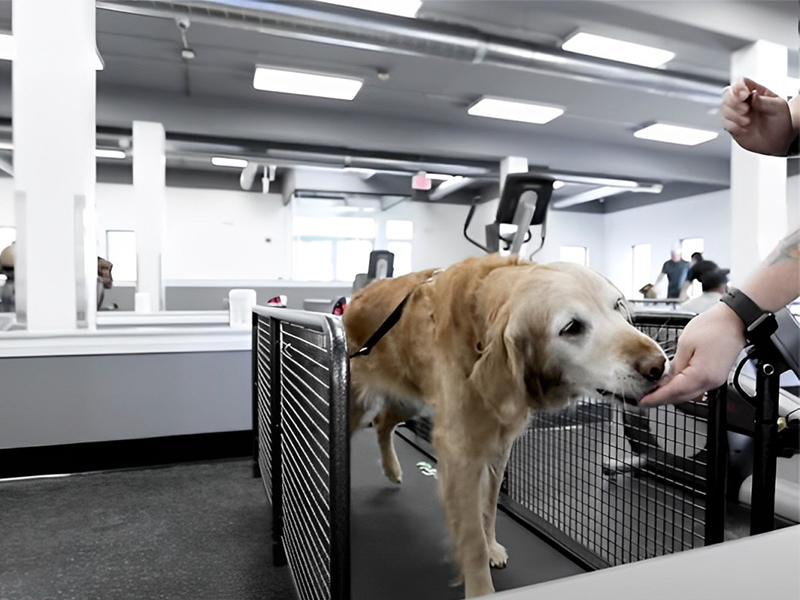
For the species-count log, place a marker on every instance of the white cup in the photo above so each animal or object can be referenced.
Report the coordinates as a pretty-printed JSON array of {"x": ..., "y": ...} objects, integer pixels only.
[{"x": 240, "y": 308}]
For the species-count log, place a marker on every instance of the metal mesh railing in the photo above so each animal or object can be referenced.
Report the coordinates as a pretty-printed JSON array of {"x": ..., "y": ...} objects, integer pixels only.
[
  {"x": 301, "y": 380},
  {"x": 615, "y": 484}
]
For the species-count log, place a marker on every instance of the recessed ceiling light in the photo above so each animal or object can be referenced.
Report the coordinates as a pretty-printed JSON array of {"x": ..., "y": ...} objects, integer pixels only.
[
  {"x": 401, "y": 8},
  {"x": 283, "y": 81},
  {"x": 106, "y": 153},
  {"x": 558, "y": 184},
  {"x": 514, "y": 110},
  {"x": 222, "y": 161},
  {"x": 675, "y": 134},
  {"x": 612, "y": 49}
]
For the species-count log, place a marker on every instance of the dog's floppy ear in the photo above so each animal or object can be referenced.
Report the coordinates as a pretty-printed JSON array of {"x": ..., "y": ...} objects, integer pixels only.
[{"x": 495, "y": 375}]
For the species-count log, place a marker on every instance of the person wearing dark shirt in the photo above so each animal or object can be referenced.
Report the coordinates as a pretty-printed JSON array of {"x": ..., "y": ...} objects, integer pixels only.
[
  {"x": 700, "y": 266},
  {"x": 675, "y": 270}
]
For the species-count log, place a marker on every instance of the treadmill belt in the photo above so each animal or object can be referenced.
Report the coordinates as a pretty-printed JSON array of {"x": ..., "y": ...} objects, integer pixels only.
[{"x": 399, "y": 545}]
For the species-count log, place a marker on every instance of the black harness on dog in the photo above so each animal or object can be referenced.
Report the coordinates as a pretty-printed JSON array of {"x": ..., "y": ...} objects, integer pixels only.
[{"x": 385, "y": 327}]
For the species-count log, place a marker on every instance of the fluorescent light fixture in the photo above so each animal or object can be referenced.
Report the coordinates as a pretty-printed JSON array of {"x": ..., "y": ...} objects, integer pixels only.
[
  {"x": 361, "y": 172},
  {"x": 222, "y": 161},
  {"x": 440, "y": 176},
  {"x": 514, "y": 110},
  {"x": 8, "y": 51},
  {"x": 6, "y": 146},
  {"x": 106, "y": 153},
  {"x": 401, "y": 8},
  {"x": 283, "y": 81},
  {"x": 558, "y": 184},
  {"x": 675, "y": 134},
  {"x": 611, "y": 49}
]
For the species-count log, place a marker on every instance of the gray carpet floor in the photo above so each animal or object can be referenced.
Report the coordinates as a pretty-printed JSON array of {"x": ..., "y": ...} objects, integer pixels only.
[{"x": 196, "y": 531}]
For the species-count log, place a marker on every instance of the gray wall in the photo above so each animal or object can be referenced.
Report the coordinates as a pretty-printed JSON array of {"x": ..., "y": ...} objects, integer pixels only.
[{"x": 74, "y": 399}]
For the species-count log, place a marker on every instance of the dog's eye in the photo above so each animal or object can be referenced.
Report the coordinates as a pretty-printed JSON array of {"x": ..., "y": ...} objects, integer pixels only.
[{"x": 574, "y": 327}]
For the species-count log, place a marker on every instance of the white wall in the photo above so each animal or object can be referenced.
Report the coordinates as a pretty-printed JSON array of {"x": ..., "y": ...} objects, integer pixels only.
[{"x": 662, "y": 225}]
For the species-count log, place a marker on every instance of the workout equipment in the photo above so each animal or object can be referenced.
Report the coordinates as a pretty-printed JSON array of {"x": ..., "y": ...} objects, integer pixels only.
[
  {"x": 606, "y": 485},
  {"x": 523, "y": 203}
]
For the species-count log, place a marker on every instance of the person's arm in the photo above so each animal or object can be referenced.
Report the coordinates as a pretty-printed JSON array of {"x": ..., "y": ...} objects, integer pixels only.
[
  {"x": 684, "y": 293},
  {"x": 711, "y": 341},
  {"x": 758, "y": 119}
]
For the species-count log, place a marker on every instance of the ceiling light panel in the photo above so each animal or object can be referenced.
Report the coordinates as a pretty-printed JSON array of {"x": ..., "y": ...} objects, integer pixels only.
[
  {"x": 108, "y": 153},
  {"x": 401, "y": 8},
  {"x": 675, "y": 134},
  {"x": 514, "y": 110},
  {"x": 613, "y": 49},
  {"x": 283, "y": 81},
  {"x": 223, "y": 161}
]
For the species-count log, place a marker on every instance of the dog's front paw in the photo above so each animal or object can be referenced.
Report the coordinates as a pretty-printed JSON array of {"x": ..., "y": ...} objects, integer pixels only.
[{"x": 498, "y": 556}]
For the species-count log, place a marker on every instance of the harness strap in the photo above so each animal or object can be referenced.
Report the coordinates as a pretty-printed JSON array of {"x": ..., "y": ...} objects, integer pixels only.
[{"x": 385, "y": 327}]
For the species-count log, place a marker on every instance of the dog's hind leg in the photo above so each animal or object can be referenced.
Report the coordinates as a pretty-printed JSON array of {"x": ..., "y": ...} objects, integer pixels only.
[{"x": 385, "y": 423}]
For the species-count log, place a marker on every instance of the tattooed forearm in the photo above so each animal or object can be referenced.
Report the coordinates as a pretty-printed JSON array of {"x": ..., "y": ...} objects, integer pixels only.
[{"x": 787, "y": 250}]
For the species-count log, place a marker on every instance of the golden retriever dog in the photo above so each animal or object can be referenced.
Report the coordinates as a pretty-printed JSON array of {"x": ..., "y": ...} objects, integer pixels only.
[{"x": 484, "y": 342}]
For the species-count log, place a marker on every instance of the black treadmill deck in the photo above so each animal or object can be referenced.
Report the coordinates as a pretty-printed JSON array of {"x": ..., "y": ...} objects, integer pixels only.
[{"x": 399, "y": 540}]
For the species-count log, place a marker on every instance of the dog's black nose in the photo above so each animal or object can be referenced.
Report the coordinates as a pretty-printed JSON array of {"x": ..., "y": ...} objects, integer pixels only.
[{"x": 652, "y": 369}]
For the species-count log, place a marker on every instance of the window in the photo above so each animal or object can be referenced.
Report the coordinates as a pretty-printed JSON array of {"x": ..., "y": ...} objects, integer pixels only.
[
  {"x": 121, "y": 251},
  {"x": 332, "y": 248},
  {"x": 689, "y": 246},
  {"x": 398, "y": 241},
  {"x": 574, "y": 254},
  {"x": 641, "y": 268},
  {"x": 8, "y": 235}
]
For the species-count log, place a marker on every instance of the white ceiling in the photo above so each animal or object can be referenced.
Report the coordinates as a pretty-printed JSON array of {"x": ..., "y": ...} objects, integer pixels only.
[{"x": 422, "y": 106}]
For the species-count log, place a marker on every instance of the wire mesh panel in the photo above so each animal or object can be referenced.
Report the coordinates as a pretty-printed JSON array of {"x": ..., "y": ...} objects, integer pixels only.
[
  {"x": 614, "y": 483},
  {"x": 303, "y": 370}
]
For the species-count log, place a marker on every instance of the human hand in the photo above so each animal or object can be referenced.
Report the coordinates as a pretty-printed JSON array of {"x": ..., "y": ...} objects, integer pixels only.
[
  {"x": 757, "y": 118},
  {"x": 707, "y": 349}
]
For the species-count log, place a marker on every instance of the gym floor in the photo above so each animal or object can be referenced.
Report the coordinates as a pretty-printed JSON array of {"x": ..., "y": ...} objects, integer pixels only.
[{"x": 202, "y": 531}]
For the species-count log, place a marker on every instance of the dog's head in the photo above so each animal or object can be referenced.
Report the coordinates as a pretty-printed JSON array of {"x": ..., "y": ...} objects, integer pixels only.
[{"x": 553, "y": 332}]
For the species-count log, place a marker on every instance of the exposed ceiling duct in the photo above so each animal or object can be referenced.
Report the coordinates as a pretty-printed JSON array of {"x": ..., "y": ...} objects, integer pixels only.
[{"x": 368, "y": 30}]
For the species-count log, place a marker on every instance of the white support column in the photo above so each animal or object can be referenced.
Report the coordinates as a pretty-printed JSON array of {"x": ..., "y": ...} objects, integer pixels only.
[
  {"x": 512, "y": 164},
  {"x": 149, "y": 176},
  {"x": 758, "y": 183},
  {"x": 54, "y": 138}
]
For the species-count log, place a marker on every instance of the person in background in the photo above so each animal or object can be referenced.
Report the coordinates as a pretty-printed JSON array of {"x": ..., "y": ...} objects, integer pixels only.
[
  {"x": 759, "y": 121},
  {"x": 715, "y": 283},
  {"x": 104, "y": 279},
  {"x": 8, "y": 258},
  {"x": 699, "y": 267},
  {"x": 675, "y": 270}
]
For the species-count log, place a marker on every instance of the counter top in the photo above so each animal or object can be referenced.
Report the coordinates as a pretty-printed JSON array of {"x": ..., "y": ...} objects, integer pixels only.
[{"x": 125, "y": 340}]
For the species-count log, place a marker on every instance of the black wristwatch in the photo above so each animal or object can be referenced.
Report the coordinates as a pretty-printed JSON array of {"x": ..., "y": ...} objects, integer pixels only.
[{"x": 759, "y": 324}]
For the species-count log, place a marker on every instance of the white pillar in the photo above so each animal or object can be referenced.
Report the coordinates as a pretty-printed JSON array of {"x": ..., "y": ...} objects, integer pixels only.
[
  {"x": 149, "y": 176},
  {"x": 758, "y": 183},
  {"x": 509, "y": 165},
  {"x": 54, "y": 138}
]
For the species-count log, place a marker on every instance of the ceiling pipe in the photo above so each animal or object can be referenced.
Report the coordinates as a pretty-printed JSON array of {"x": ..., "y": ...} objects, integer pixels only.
[
  {"x": 367, "y": 30},
  {"x": 605, "y": 191}
]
